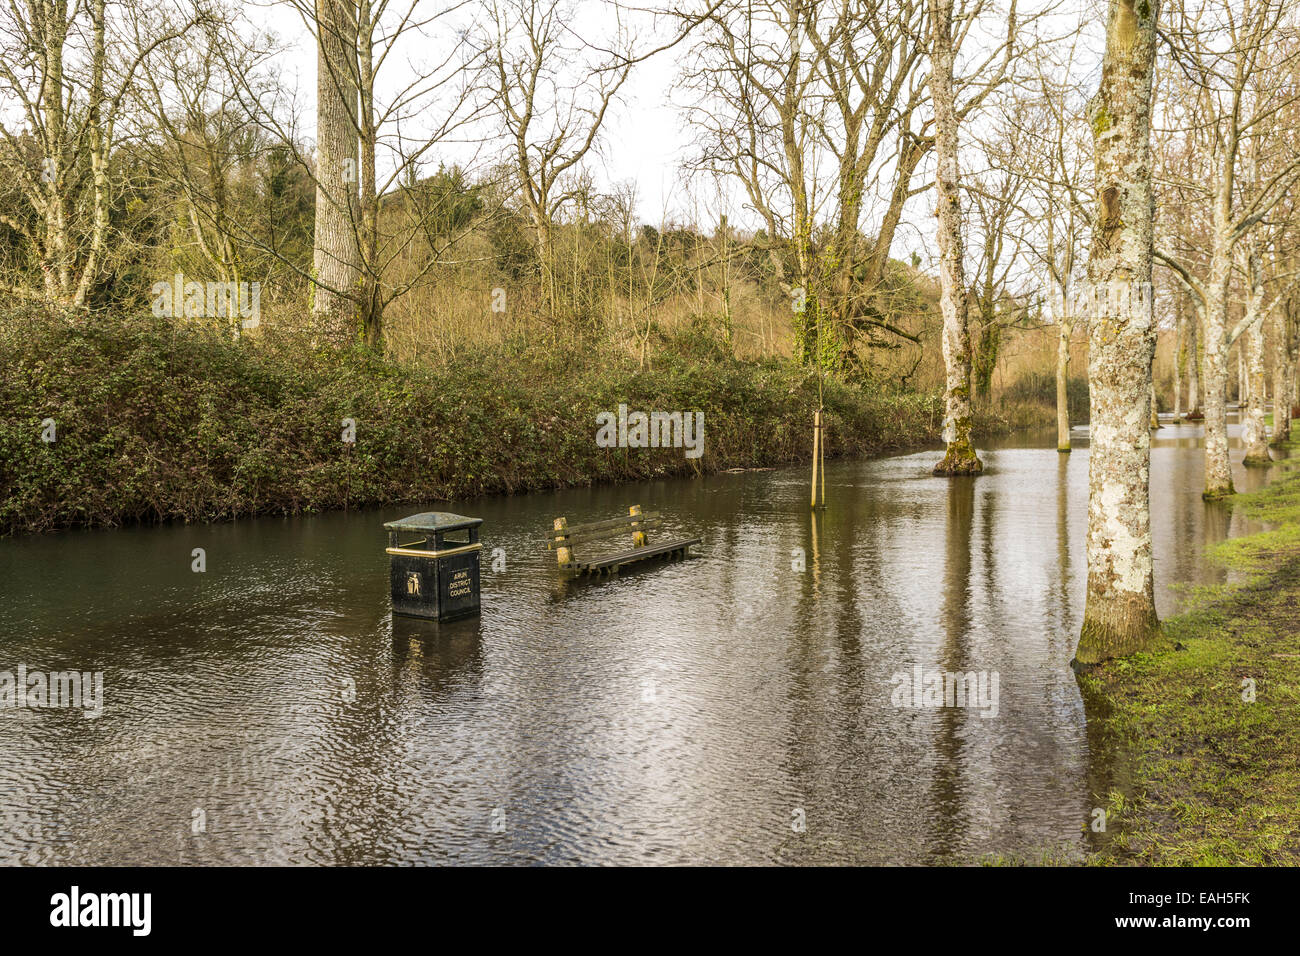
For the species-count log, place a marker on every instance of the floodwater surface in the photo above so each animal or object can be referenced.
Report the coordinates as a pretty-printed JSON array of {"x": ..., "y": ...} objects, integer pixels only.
[{"x": 739, "y": 707}]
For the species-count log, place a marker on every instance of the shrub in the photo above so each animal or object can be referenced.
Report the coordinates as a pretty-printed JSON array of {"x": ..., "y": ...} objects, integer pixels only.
[{"x": 158, "y": 421}]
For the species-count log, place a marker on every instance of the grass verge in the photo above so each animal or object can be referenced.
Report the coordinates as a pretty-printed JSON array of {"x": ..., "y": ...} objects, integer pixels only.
[{"x": 1209, "y": 717}]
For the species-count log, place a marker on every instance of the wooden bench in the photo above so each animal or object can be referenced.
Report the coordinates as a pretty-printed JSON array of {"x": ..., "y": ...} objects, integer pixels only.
[{"x": 564, "y": 537}]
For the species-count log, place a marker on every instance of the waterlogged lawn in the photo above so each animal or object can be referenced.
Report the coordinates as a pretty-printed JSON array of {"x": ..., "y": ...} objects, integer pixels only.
[{"x": 1209, "y": 718}]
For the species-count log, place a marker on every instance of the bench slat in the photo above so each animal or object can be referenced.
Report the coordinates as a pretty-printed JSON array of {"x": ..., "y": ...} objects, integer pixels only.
[
  {"x": 635, "y": 555},
  {"x": 579, "y": 537},
  {"x": 624, "y": 521}
]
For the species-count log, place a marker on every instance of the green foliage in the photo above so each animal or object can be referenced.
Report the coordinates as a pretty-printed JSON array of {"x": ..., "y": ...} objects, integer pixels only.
[
  {"x": 987, "y": 343},
  {"x": 157, "y": 421},
  {"x": 513, "y": 248},
  {"x": 446, "y": 202}
]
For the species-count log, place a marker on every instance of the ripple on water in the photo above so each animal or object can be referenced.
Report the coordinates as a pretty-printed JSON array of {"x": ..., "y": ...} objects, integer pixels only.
[{"x": 735, "y": 708}]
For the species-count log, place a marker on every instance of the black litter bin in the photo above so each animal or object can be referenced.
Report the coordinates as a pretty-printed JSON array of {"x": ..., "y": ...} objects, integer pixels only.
[{"x": 434, "y": 565}]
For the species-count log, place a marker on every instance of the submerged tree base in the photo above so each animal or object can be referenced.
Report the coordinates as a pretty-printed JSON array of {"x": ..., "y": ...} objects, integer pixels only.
[
  {"x": 1116, "y": 628},
  {"x": 1215, "y": 494},
  {"x": 959, "y": 460},
  {"x": 1257, "y": 461}
]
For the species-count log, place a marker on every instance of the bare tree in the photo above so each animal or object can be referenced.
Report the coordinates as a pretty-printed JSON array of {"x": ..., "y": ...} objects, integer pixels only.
[
  {"x": 554, "y": 92},
  {"x": 759, "y": 113},
  {"x": 1230, "y": 55},
  {"x": 1120, "y": 614},
  {"x": 56, "y": 67},
  {"x": 393, "y": 84},
  {"x": 1000, "y": 229},
  {"x": 946, "y": 34},
  {"x": 867, "y": 56},
  {"x": 1059, "y": 172},
  {"x": 205, "y": 141},
  {"x": 815, "y": 109}
]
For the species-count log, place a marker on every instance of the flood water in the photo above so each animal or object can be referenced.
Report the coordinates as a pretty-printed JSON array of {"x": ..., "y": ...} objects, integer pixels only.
[{"x": 728, "y": 709}]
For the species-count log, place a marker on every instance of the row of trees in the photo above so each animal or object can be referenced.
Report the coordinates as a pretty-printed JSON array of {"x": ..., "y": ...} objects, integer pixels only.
[
  {"x": 1220, "y": 168},
  {"x": 814, "y": 124},
  {"x": 1223, "y": 124}
]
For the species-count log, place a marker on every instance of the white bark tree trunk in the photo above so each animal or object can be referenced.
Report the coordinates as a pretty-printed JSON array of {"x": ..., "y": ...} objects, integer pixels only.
[
  {"x": 1180, "y": 357},
  {"x": 1243, "y": 377},
  {"x": 1120, "y": 614},
  {"x": 1218, "y": 470},
  {"x": 1254, "y": 433},
  {"x": 1281, "y": 382},
  {"x": 336, "y": 251},
  {"x": 1063, "y": 384},
  {"x": 960, "y": 457}
]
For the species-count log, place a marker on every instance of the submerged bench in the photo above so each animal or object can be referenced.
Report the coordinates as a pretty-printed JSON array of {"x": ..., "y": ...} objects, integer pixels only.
[{"x": 564, "y": 537}]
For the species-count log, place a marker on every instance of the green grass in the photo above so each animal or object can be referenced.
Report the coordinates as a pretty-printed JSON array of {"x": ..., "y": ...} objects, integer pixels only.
[{"x": 1213, "y": 779}]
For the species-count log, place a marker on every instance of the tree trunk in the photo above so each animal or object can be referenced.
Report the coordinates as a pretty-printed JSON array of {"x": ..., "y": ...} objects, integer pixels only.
[
  {"x": 1180, "y": 355},
  {"x": 960, "y": 458},
  {"x": 1120, "y": 613},
  {"x": 54, "y": 24},
  {"x": 1218, "y": 470},
  {"x": 98, "y": 156},
  {"x": 1063, "y": 383},
  {"x": 1194, "y": 365},
  {"x": 1243, "y": 377},
  {"x": 370, "y": 293},
  {"x": 335, "y": 253},
  {"x": 805, "y": 317},
  {"x": 1281, "y": 382},
  {"x": 1254, "y": 433}
]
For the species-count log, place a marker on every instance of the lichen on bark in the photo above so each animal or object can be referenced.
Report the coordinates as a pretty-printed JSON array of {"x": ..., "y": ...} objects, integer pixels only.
[
  {"x": 960, "y": 459},
  {"x": 1119, "y": 615}
]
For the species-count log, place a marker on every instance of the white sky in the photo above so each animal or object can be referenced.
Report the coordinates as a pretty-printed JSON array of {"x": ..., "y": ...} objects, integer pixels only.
[{"x": 644, "y": 138}]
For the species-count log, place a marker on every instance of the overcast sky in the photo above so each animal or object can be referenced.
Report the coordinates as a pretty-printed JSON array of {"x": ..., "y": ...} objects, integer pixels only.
[{"x": 645, "y": 138}]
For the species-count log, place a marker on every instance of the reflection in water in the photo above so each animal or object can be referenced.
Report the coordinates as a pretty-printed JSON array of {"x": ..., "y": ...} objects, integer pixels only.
[
  {"x": 946, "y": 786},
  {"x": 1063, "y": 526},
  {"x": 733, "y": 708},
  {"x": 1109, "y": 764}
]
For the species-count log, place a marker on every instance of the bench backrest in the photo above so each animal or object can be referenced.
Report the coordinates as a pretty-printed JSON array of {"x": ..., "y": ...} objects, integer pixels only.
[{"x": 563, "y": 536}]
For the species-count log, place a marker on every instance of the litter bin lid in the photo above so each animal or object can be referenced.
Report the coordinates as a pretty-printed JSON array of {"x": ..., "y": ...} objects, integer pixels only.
[{"x": 433, "y": 521}]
